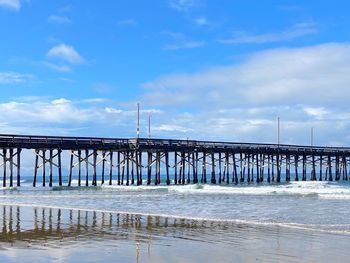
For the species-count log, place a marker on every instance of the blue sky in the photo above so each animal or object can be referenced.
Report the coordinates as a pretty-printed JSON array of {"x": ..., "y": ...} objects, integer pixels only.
[{"x": 216, "y": 70}]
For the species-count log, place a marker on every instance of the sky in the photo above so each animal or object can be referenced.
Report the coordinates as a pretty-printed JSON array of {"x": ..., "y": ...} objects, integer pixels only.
[{"x": 202, "y": 69}]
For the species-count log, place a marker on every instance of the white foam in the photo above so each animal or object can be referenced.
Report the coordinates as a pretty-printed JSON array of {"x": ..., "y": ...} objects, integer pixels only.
[
  {"x": 293, "y": 188},
  {"x": 299, "y": 188}
]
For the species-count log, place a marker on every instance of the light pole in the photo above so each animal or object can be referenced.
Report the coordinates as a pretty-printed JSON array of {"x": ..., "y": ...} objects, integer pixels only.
[
  {"x": 312, "y": 136},
  {"x": 138, "y": 121},
  {"x": 278, "y": 131},
  {"x": 149, "y": 126}
]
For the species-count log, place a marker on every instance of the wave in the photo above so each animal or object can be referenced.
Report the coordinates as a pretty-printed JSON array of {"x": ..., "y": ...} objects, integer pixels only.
[
  {"x": 292, "y": 188},
  {"x": 322, "y": 190}
]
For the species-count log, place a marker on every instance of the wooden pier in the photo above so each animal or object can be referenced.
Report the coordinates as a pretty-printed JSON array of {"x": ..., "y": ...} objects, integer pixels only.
[{"x": 117, "y": 161}]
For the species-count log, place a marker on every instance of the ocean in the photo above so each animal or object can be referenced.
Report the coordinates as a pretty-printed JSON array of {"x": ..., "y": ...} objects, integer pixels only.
[{"x": 286, "y": 222}]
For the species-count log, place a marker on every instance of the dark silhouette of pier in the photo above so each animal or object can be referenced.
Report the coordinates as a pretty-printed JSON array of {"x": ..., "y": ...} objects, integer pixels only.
[{"x": 94, "y": 161}]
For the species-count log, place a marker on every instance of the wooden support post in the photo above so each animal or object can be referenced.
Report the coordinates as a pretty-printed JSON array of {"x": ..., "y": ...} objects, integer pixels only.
[
  {"x": 273, "y": 168},
  {"x": 86, "y": 167},
  {"x": 248, "y": 166},
  {"x": 11, "y": 167},
  {"x": 19, "y": 166},
  {"x": 79, "y": 168},
  {"x": 50, "y": 167},
  {"x": 278, "y": 178},
  {"x": 118, "y": 166},
  {"x": 180, "y": 170},
  {"x": 241, "y": 167},
  {"x": 35, "y": 166},
  {"x": 44, "y": 166},
  {"x": 257, "y": 168},
  {"x": 183, "y": 160},
  {"x": 220, "y": 174},
  {"x": 123, "y": 167},
  {"x": 140, "y": 165},
  {"x": 137, "y": 168},
  {"x": 204, "y": 169},
  {"x": 59, "y": 167},
  {"x": 268, "y": 168},
  {"x": 304, "y": 167},
  {"x": 329, "y": 164},
  {"x": 287, "y": 168},
  {"x": 132, "y": 162},
  {"x": 167, "y": 167},
  {"x": 342, "y": 167},
  {"x": 330, "y": 168},
  {"x": 175, "y": 167},
  {"x": 157, "y": 174},
  {"x": 313, "y": 172},
  {"x": 4, "y": 152},
  {"x": 103, "y": 167},
  {"x": 149, "y": 168},
  {"x": 213, "y": 179},
  {"x": 337, "y": 175},
  {"x": 234, "y": 169},
  {"x": 94, "y": 175},
  {"x": 70, "y": 167},
  {"x": 252, "y": 170},
  {"x": 262, "y": 163},
  {"x": 345, "y": 167},
  {"x": 227, "y": 167},
  {"x": 110, "y": 167},
  {"x": 223, "y": 179},
  {"x": 159, "y": 165},
  {"x": 296, "y": 164},
  {"x": 321, "y": 161},
  {"x": 194, "y": 168},
  {"x": 188, "y": 168},
  {"x": 127, "y": 167}
]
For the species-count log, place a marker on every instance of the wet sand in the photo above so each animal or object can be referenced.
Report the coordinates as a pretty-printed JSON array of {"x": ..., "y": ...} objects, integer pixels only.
[{"x": 61, "y": 235}]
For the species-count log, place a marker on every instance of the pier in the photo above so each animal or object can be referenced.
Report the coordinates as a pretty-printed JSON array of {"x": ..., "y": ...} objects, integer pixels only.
[{"x": 141, "y": 161}]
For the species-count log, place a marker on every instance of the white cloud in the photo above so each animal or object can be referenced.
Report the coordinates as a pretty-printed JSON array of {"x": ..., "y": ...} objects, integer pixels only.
[
  {"x": 184, "y": 45},
  {"x": 10, "y": 4},
  {"x": 182, "y": 5},
  {"x": 315, "y": 76},
  {"x": 202, "y": 21},
  {"x": 127, "y": 22},
  {"x": 112, "y": 110},
  {"x": 57, "y": 67},
  {"x": 296, "y": 31},
  {"x": 93, "y": 116},
  {"x": 171, "y": 128},
  {"x": 59, "y": 19},
  {"x": 316, "y": 112},
  {"x": 66, "y": 53},
  {"x": 307, "y": 87},
  {"x": 62, "y": 116},
  {"x": 180, "y": 41},
  {"x": 14, "y": 78}
]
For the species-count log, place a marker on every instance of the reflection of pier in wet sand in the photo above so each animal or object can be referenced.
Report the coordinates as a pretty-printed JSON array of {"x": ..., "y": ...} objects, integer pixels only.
[
  {"x": 142, "y": 238},
  {"x": 45, "y": 224}
]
